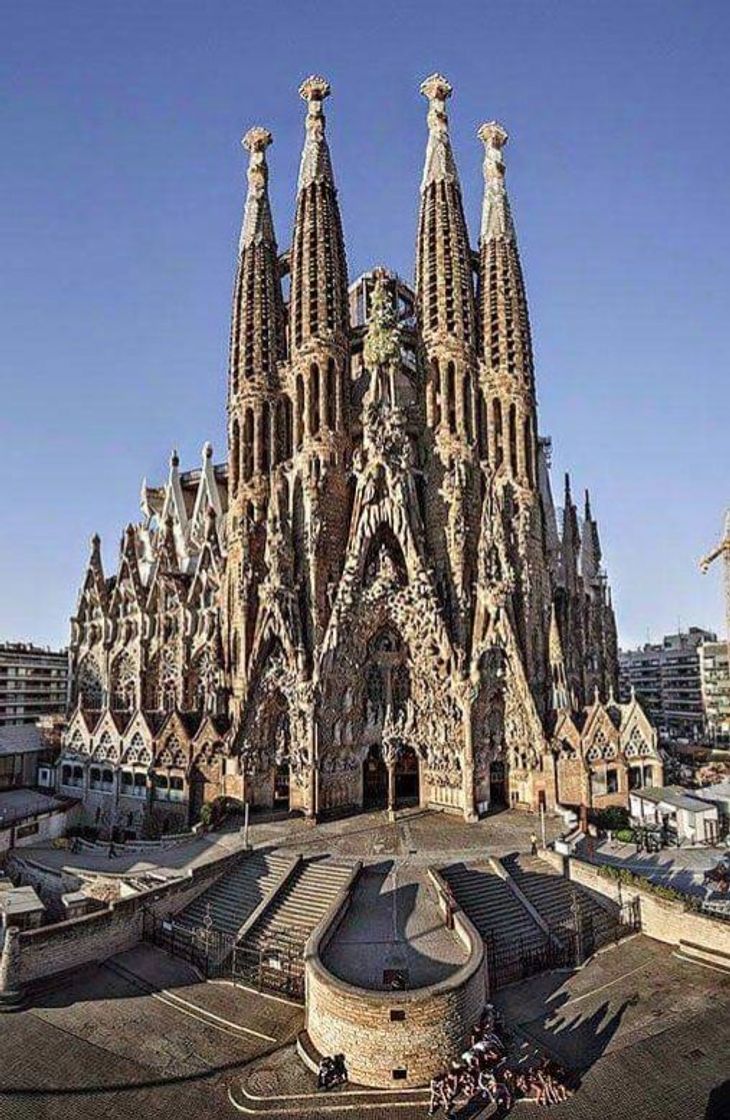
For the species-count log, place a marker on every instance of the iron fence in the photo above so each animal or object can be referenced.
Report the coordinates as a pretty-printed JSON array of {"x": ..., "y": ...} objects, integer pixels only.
[{"x": 568, "y": 944}]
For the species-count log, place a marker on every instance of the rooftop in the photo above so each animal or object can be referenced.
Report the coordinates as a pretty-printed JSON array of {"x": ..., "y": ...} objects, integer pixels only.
[
  {"x": 676, "y": 796},
  {"x": 22, "y": 738}
]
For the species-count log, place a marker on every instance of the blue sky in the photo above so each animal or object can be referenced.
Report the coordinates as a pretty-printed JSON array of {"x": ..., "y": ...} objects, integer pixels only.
[{"x": 122, "y": 183}]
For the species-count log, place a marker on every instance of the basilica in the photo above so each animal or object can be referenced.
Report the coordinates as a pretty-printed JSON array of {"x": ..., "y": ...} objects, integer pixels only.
[{"x": 373, "y": 601}]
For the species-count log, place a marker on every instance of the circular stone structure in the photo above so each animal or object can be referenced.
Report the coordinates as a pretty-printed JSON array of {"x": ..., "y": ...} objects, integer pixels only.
[{"x": 394, "y": 1037}]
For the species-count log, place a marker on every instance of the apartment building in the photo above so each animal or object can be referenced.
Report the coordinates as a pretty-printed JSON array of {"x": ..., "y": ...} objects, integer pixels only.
[
  {"x": 666, "y": 677},
  {"x": 33, "y": 682}
]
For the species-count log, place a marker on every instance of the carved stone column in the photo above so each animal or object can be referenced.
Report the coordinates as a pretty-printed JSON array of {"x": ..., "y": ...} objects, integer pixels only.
[
  {"x": 311, "y": 811},
  {"x": 391, "y": 788},
  {"x": 470, "y": 813}
]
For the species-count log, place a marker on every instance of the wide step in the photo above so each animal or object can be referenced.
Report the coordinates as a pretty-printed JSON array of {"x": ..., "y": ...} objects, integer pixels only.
[
  {"x": 556, "y": 899},
  {"x": 233, "y": 898},
  {"x": 300, "y": 906},
  {"x": 490, "y": 904}
]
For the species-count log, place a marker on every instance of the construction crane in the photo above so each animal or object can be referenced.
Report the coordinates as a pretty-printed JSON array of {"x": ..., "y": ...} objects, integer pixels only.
[{"x": 722, "y": 549}]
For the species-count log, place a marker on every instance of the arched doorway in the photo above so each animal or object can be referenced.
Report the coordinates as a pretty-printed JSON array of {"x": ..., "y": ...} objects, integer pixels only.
[
  {"x": 374, "y": 779},
  {"x": 407, "y": 787}
]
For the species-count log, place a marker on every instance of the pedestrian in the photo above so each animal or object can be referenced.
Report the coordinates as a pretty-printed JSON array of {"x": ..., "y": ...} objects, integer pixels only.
[
  {"x": 112, "y": 850},
  {"x": 533, "y": 843}
]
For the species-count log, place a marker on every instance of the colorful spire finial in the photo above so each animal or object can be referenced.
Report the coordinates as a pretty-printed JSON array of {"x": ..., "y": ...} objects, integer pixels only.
[{"x": 314, "y": 88}]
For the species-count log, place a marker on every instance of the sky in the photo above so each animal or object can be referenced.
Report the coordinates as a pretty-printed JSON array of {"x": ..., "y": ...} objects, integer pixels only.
[{"x": 122, "y": 184}]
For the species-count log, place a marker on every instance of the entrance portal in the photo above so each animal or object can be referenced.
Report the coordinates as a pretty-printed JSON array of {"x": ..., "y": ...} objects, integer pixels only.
[
  {"x": 497, "y": 785},
  {"x": 281, "y": 787},
  {"x": 407, "y": 790},
  {"x": 374, "y": 779}
]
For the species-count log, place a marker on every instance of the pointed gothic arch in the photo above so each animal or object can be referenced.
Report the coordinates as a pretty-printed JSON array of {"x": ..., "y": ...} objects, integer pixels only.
[
  {"x": 89, "y": 685},
  {"x": 123, "y": 683}
]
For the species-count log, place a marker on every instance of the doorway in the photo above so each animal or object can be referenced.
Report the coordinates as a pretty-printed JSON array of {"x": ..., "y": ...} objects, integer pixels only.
[
  {"x": 197, "y": 795},
  {"x": 374, "y": 779},
  {"x": 281, "y": 786},
  {"x": 497, "y": 785},
  {"x": 407, "y": 788}
]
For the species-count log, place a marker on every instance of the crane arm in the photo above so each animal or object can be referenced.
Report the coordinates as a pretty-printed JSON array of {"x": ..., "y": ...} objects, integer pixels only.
[{"x": 705, "y": 562}]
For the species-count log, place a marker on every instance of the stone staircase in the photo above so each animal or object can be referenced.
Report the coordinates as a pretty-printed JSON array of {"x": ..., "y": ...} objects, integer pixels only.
[
  {"x": 234, "y": 897},
  {"x": 490, "y": 904},
  {"x": 299, "y": 906},
  {"x": 553, "y": 896}
]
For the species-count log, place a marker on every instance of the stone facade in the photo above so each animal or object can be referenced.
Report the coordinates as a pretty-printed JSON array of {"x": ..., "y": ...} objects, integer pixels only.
[{"x": 371, "y": 601}]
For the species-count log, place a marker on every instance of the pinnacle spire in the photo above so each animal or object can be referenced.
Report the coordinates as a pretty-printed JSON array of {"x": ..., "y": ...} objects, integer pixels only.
[
  {"x": 318, "y": 305},
  {"x": 570, "y": 543},
  {"x": 315, "y": 165},
  {"x": 505, "y": 320},
  {"x": 444, "y": 290},
  {"x": 496, "y": 214},
  {"x": 257, "y": 224},
  {"x": 439, "y": 164},
  {"x": 590, "y": 557},
  {"x": 257, "y": 328}
]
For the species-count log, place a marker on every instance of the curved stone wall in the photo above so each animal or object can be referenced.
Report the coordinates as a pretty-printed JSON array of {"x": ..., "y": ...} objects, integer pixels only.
[{"x": 393, "y": 1038}]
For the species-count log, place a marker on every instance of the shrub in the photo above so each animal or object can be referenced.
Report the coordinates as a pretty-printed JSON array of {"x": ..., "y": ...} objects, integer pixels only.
[
  {"x": 612, "y": 819},
  {"x": 640, "y": 882},
  {"x": 624, "y": 835}
]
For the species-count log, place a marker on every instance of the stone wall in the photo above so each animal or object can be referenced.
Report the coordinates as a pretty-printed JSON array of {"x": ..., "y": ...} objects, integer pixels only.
[
  {"x": 50, "y": 825},
  {"x": 662, "y": 919},
  {"x": 393, "y": 1038},
  {"x": 94, "y": 937}
]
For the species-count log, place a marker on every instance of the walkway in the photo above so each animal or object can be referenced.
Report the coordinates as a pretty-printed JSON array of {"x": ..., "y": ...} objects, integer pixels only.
[{"x": 394, "y": 924}]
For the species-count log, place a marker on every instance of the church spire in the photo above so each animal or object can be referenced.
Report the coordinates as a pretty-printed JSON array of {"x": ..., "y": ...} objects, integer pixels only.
[
  {"x": 257, "y": 329},
  {"x": 318, "y": 307},
  {"x": 590, "y": 557},
  {"x": 505, "y": 321},
  {"x": 570, "y": 543},
  {"x": 444, "y": 292}
]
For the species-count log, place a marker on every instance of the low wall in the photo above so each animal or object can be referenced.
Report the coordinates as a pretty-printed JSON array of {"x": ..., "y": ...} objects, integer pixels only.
[
  {"x": 94, "y": 937},
  {"x": 38, "y": 827},
  {"x": 392, "y": 1038},
  {"x": 663, "y": 919}
]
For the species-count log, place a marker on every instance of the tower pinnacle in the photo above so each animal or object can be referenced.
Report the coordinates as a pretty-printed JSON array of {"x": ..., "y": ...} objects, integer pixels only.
[
  {"x": 318, "y": 303},
  {"x": 315, "y": 165},
  {"x": 257, "y": 225},
  {"x": 439, "y": 164},
  {"x": 496, "y": 215}
]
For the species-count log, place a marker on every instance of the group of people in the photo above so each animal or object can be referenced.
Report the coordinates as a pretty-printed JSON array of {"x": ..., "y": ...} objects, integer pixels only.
[
  {"x": 332, "y": 1072},
  {"x": 483, "y": 1074}
]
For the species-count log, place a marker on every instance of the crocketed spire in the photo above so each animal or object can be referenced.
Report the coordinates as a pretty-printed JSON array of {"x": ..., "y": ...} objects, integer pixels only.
[
  {"x": 570, "y": 543},
  {"x": 444, "y": 293},
  {"x": 502, "y": 301},
  {"x": 257, "y": 327},
  {"x": 318, "y": 304},
  {"x": 590, "y": 556}
]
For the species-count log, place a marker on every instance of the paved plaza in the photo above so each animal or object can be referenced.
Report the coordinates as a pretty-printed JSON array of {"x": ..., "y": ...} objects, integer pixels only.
[
  {"x": 420, "y": 835},
  {"x": 142, "y": 1034}
]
